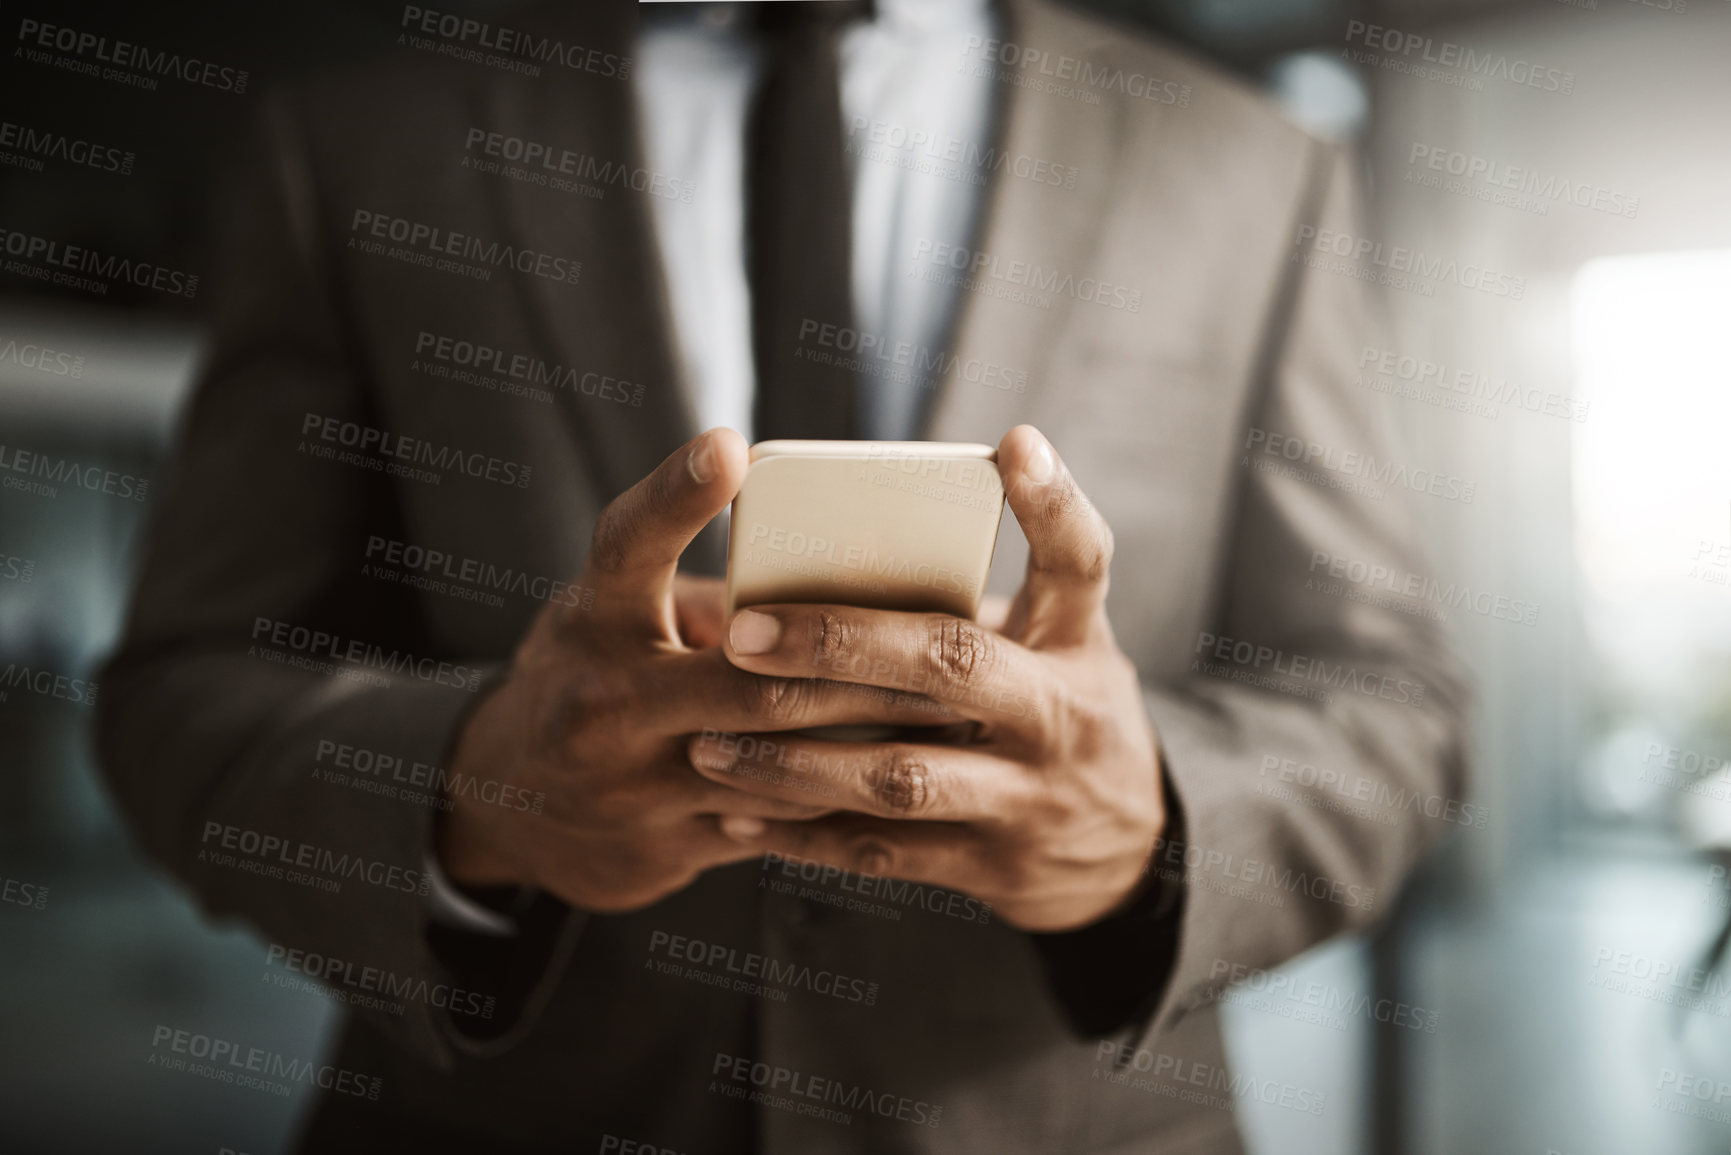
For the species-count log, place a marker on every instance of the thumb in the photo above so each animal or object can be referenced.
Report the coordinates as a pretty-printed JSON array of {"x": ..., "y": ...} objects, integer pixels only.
[
  {"x": 640, "y": 536},
  {"x": 1069, "y": 544}
]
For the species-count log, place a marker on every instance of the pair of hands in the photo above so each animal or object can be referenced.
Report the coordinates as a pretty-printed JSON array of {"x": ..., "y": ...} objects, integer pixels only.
[{"x": 628, "y": 715}]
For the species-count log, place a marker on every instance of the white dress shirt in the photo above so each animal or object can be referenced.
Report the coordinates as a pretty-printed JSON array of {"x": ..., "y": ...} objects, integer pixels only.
[
  {"x": 901, "y": 81},
  {"x": 906, "y": 101}
]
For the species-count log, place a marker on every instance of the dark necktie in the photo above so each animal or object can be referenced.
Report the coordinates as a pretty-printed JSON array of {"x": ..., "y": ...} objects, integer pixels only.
[{"x": 799, "y": 227}]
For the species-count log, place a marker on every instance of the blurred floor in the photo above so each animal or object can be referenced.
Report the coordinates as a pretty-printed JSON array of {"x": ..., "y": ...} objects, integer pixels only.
[
  {"x": 115, "y": 955},
  {"x": 1534, "y": 1052}
]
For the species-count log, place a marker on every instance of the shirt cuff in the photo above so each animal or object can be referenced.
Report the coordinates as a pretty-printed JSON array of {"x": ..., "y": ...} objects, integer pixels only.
[
  {"x": 449, "y": 907},
  {"x": 1111, "y": 973}
]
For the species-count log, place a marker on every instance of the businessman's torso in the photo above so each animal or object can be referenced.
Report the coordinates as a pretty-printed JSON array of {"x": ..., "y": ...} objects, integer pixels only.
[{"x": 508, "y": 322}]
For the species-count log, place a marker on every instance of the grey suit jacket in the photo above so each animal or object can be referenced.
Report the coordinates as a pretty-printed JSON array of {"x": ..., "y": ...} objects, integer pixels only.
[{"x": 288, "y": 674}]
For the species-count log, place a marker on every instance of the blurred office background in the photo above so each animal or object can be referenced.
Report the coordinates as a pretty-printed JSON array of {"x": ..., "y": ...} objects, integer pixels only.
[{"x": 1538, "y": 947}]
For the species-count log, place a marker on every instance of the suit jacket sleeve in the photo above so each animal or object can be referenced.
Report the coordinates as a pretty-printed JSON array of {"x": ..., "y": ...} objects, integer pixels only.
[
  {"x": 209, "y": 726},
  {"x": 1362, "y": 691}
]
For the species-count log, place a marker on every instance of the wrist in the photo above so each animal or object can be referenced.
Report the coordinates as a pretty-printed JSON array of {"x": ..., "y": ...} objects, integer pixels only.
[
  {"x": 465, "y": 851},
  {"x": 465, "y": 840}
]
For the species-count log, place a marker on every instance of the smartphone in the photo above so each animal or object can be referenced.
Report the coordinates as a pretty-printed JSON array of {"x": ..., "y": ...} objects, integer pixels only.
[{"x": 894, "y": 525}]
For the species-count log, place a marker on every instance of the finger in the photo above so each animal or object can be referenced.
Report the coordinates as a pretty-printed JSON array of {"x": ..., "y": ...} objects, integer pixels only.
[
  {"x": 888, "y": 779},
  {"x": 947, "y": 856},
  {"x": 710, "y": 798},
  {"x": 640, "y": 535},
  {"x": 1069, "y": 545},
  {"x": 700, "y": 605},
  {"x": 994, "y": 611},
  {"x": 957, "y": 663},
  {"x": 687, "y": 693},
  {"x": 710, "y": 840}
]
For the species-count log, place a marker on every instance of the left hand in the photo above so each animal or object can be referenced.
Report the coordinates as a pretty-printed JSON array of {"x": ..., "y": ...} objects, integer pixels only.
[{"x": 1051, "y": 809}]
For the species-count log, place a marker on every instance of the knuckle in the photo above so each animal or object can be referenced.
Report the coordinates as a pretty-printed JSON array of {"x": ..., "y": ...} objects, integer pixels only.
[
  {"x": 905, "y": 784},
  {"x": 776, "y": 703},
  {"x": 1093, "y": 733},
  {"x": 833, "y": 638},
  {"x": 873, "y": 856},
  {"x": 594, "y": 696},
  {"x": 583, "y": 714},
  {"x": 960, "y": 652}
]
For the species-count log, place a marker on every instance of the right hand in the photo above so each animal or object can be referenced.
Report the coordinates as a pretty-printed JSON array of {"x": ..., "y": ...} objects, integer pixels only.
[{"x": 599, "y": 705}]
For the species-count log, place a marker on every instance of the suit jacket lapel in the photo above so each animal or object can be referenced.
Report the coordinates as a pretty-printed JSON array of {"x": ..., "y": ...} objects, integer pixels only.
[
  {"x": 1055, "y": 228},
  {"x": 614, "y": 321}
]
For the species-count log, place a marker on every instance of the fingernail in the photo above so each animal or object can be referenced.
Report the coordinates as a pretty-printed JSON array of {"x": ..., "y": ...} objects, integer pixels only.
[
  {"x": 742, "y": 828},
  {"x": 753, "y": 633},
  {"x": 709, "y": 758},
  {"x": 701, "y": 463},
  {"x": 1041, "y": 464}
]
